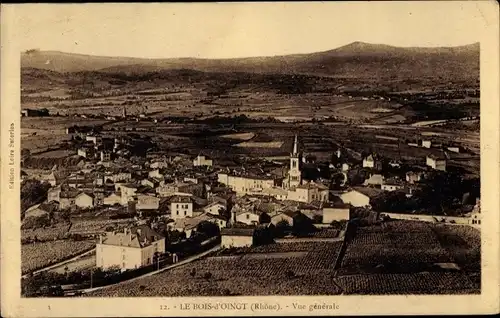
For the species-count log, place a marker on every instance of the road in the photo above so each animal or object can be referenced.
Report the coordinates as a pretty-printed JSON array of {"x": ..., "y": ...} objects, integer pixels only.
[
  {"x": 61, "y": 263},
  {"x": 183, "y": 262}
]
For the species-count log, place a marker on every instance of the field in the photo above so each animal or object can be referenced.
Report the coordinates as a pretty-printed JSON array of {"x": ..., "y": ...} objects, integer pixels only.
[
  {"x": 307, "y": 268},
  {"x": 411, "y": 246},
  {"x": 39, "y": 255},
  {"x": 55, "y": 232}
]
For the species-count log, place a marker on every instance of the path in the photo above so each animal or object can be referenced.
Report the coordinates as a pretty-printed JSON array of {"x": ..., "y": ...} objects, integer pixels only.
[{"x": 183, "y": 262}]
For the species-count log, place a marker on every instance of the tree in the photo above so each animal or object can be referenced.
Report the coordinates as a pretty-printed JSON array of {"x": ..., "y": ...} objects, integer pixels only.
[
  {"x": 264, "y": 218},
  {"x": 208, "y": 228},
  {"x": 282, "y": 227},
  {"x": 263, "y": 236},
  {"x": 302, "y": 225}
]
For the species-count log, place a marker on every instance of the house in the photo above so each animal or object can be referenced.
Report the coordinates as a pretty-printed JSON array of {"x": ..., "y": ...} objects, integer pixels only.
[
  {"x": 200, "y": 161},
  {"x": 150, "y": 182},
  {"x": 130, "y": 249},
  {"x": 96, "y": 140},
  {"x": 412, "y": 177},
  {"x": 336, "y": 212},
  {"x": 392, "y": 185},
  {"x": 436, "y": 162},
  {"x": 236, "y": 237},
  {"x": 455, "y": 149},
  {"x": 128, "y": 192},
  {"x": 84, "y": 200},
  {"x": 86, "y": 152},
  {"x": 345, "y": 167},
  {"x": 246, "y": 214},
  {"x": 41, "y": 209},
  {"x": 286, "y": 216},
  {"x": 369, "y": 161},
  {"x": 276, "y": 192},
  {"x": 155, "y": 174},
  {"x": 189, "y": 224},
  {"x": 360, "y": 196},
  {"x": 181, "y": 207},
  {"x": 53, "y": 178},
  {"x": 53, "y": 194},
  {"x": 214, "y": 208},
  {"x": 147, "y": 202},
  {"x": 246, "y": 183},
  {"x": 105, "y": 156},
  {"x": 112, "y": 199},
  {"x": 67, "y": 199},
  {"x": 475, "y": 216},
  {"x": 426, "y": 143},
  {"x": 308, "y": 193},
  {"x": 374, "y": 180},
  {"x": 158, "y": 165}
]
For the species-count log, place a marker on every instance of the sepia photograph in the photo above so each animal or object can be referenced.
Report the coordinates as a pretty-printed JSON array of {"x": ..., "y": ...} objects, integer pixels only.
[{"x": 249, "y": 149}]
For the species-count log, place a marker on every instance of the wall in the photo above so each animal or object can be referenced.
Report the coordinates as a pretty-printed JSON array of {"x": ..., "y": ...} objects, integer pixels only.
[
  {"x": 147, "y": 202},
  {"x": 214, "y": 209},
  {"x": 355, "y": 198},
  {"x": 124, "y": 257},
  {"x": 428, "y": 218},
  {"x": 335, "y": 214},
  {"x": 236, "y": 241}
]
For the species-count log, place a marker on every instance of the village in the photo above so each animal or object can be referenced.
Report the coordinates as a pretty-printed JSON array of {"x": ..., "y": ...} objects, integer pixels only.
[{"x": 143, "y": 214}]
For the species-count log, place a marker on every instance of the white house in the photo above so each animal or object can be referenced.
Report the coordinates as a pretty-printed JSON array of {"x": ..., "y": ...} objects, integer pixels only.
[
  {"x": 369, "y": 162},
  {"x": 214, "y": 208},
  {"x": 359, "y": 196},
  {"x": 84, "y": 200},
  {"x": 436, "y": 162},
  {"x": 249, "y": 217},
  {"x": 128, "y": 192},
  {"x": 181, "y": 207},
  {"x": 336, "y": 212},
  {"x": 130, "y": 249},
  {"x": 426, "y": 143},
  {"x": 202, "y": 161},
  {"x": 236, "y": 237}
]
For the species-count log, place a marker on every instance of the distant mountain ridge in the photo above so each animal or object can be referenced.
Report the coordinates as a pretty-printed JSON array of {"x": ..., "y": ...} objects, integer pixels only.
[{"x": 357, "y": 59}]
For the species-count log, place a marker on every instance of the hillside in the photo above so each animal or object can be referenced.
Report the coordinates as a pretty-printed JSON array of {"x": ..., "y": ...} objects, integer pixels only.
[{"x": 356, "y": 60}]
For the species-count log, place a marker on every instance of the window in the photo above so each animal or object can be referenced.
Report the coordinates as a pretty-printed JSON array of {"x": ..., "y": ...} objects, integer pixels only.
[
  {"x": 248, "y": 216},
  {"x": 184, "y": 213},
  {"x": 177, "y": 212},
  {"x": 177, "y": 206}
]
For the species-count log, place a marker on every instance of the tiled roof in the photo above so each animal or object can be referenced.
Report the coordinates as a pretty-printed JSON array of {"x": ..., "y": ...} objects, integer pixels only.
[
  {"x": 237, "y": 231},
  {"x": 370, "y": 192},
  {"x": 139, "y": 236}
]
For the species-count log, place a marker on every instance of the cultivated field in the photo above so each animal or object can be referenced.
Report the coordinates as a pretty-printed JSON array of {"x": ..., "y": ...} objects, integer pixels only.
[{"x": 39, "y": 255}]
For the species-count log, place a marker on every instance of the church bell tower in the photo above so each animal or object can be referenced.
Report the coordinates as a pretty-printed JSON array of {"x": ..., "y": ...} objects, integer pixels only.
[{"x": 294, "y": 174}]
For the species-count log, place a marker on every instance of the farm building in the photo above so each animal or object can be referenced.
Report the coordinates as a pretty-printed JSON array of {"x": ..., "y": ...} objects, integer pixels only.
[
  {"x": 130, "y": 249},
  {"x": 236, "y": 237},
  {"x": 84, "y": 200},
  {"x": 201, "y": 161},
  {"x": 67, "y": 199},
  {"x": 336, "y": 212},
  {"x": 249, "y": 217},
  {"x": 436, "y": 162},
  {"x": 181, "y": 207},
  {"x": 360, "y": 196}
]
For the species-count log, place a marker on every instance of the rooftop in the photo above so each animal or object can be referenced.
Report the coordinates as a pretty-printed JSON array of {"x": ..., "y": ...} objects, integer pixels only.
[
  {"x": 138, "y": 237},
  {"x": 370, "y": 192},
  {"x": 237, "y": 231}
]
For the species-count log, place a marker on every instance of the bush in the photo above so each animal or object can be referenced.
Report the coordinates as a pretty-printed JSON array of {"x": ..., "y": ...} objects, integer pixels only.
[{"x": 207, "y": 275}]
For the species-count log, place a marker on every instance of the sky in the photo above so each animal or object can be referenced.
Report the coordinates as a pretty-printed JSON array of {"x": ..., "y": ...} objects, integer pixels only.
[{"x": 230, "y": 30}]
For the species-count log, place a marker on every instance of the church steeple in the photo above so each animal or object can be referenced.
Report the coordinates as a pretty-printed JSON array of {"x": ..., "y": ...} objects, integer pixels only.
[
  {"x": 295, "y": 146},
  {"x": 294, "y": 174}
]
